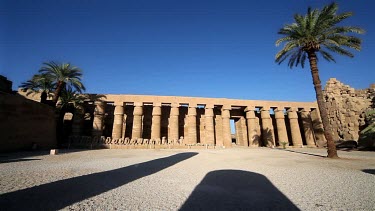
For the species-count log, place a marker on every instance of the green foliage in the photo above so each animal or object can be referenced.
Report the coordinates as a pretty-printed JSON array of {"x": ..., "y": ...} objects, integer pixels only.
[
  {"x": 64, "y": 72},
  {"x": 317, "y": 31},
  {"x": 37, "y": 84}
]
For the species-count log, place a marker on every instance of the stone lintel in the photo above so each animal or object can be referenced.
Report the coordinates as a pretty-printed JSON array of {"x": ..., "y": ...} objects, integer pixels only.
[
  {"x": 226, "y": 107},
  {"x": 175, "y": 105},
  {"x": 193, "y": 105},
  {"x": 118, "y": 103}
]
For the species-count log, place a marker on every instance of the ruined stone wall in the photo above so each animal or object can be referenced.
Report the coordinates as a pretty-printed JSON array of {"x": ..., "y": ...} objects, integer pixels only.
[
  {"x": 24, "y": 122},
  {"x": 346, "y": 108}
]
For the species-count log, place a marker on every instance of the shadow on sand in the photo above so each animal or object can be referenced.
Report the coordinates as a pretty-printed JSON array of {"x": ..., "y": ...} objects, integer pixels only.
[
  {"x": 59, "y": 194},
  {"x": 17, "y": 160},
  {"x": 369, "y": 171},
  {"x": 236, "y": 190},
  {"x": 304, "y": 153}
]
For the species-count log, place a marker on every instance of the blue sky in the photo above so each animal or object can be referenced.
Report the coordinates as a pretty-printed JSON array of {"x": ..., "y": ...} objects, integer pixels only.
[{"x": 198, "y": 48}]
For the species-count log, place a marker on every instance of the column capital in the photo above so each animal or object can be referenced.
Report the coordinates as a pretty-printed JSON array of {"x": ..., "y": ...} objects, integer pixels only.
[
  {"x": 306, "y": 110},
  {"x": 225, "y": 113},
  {"x": 118, "y": 103},
  {"x": 292, "y": 113},
  {"x": 209, "y": 106},
  {"x": 265, "y": 108},
  {"x": 249, "y": 108},
  {"x": 175, "y": 105},
  {"x": 226, "y": 107},
  {"x": 138, "y": 111},
  {"x": 192, "y": 111},
  {"x": 250, "y": 114},
  {"x": 156, "y": 111},
  {"x": 119, "y": 109},
  {"x": 278, "y": 109},
  {"x": 279, "y": 114},
  {"x": 209, "y": 111},
  {"x": 138, "y": 104}
]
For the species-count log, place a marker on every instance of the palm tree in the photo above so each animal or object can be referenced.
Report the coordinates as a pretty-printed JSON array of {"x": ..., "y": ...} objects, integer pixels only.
[
  {"x": 316, "y": 33},
  {"x": 39, "y": 83},
  {"x": 63, "y": 75}
]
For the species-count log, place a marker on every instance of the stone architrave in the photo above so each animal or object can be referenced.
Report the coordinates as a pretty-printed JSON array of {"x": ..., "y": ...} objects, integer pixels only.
[
  {"x": 227, "y": 137},
  {"x": 307, "y": 127},
  {"x": 294, "y": 127},
  {"x": 192, "y": 124},
  {"x": 173, "y": 122},
  {"x": 156, "y": 121},
  {"x": 137, "y": 121},
  {"x": 118, "y": 120},
  {"x": 209, "y": 125},
  {"x": 97, "y": 126},
  {"x": 281, "y": 128},
  {"x": 251, "y": 127},
  {"x": 267, "y": 128}
]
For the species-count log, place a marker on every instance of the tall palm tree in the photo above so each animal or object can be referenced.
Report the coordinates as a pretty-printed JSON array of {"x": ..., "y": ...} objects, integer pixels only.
[
  {"x": 63, "y": 75},
  {"x": 39, "y": 83},
  {"x": 318, "y": 33}
]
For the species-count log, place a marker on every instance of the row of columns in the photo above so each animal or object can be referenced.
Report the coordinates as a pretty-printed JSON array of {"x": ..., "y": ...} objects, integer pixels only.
[{"x": 250, "y": 128}]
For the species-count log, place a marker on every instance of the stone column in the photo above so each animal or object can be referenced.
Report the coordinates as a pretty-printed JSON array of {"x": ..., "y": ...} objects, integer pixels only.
[
  {"x": 281, "y": 128},
  {"x": 318, "y": 128},
  {"x": 219, "y": 131},
  {"x": 192, "y": 124},
  {"x": 156, "y": 121},
  {"x": 307, "y": 127},
  {"x": 245, "y": 140},
  {"x": 117, "y": 120},
  {"x": 77, "y": 123},
  {"x": 97, "y": 125},
  {"x": 173, "y": 122},
  {"x": 137, "y": 121},
  {"x": 294, "y": 127},
  {"x": 251, "y": 127},
  {"x": 267, "y": 128},
  {"x": 209, "y": 123},
  {"x": 124, "y": 125},
  {"x": 227, "y": 137}
]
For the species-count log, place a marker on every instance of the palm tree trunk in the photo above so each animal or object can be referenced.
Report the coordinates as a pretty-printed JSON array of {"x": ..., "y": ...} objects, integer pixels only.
[
  {"x": 59, "y": 87},
  {"x": 332, "y": 152}
]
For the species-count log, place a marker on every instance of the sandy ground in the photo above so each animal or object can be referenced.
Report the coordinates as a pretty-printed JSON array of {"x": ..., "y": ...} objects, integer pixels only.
[{"x": 230, "y": 179}]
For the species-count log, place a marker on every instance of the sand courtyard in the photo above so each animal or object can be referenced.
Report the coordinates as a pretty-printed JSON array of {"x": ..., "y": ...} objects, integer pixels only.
[{"x": 220, "y": 179}]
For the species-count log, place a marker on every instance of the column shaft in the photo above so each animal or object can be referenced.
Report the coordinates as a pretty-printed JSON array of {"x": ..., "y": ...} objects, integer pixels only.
[
  {"x": 117, "y": 122},
  {"x": 97, "y": 125},
  {"x": 173, "y": 123},
  {"x": 156, "y": 123},
  {"x": 209, "y": 123},
  {"x": 227, "y": 136},
  {"x": 251, "y": 128},
  {"x": 294, "y": 128},
  {"x": 137, "y": 122},
  {"x": 267, "y": 128},
  {"x": 307, "y": 127},
  {"x": 281, "y": 128},
  {"x": 192, "y": 125}
]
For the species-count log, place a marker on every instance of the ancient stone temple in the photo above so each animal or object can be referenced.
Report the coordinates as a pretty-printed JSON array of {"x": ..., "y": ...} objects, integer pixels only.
[
  {"x": 346, "y": 108},
  {"x": 202, "y": 121}
]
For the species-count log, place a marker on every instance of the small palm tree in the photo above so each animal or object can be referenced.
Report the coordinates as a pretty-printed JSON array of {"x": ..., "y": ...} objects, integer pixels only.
[
  {"x": 63, "y": 75},
  {"x": 39, "y": 83},
  {"x": 318, "y": 33}
]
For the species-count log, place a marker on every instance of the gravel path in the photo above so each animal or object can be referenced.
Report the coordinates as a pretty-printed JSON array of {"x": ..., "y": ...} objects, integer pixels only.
[{"x": 230, "y": 179}]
